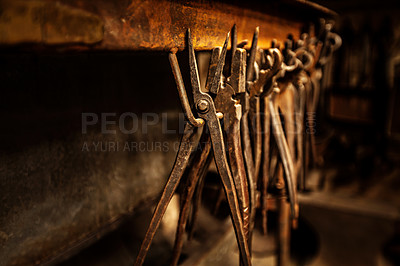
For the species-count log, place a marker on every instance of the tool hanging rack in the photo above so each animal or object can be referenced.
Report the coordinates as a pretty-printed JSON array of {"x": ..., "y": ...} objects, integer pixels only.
[
  {"x": 149, "y": 26},
  {"x": 240, "y": 118}
]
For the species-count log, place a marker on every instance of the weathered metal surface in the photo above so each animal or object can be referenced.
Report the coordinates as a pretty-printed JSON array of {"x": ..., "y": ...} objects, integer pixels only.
[
  {"x": 47, "y": 23},
  {"x": 150, "y": 24}
]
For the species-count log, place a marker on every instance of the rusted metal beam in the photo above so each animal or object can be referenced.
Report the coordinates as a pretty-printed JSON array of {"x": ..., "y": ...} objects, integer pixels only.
[
  {"x": 148, "y": 25},
  {"x": 47, "y": 23}
]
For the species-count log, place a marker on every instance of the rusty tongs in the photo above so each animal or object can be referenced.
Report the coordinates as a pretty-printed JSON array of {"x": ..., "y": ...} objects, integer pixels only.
[
  {"x": 224, "y": 103},
  {"x": 207, "y": 115}
]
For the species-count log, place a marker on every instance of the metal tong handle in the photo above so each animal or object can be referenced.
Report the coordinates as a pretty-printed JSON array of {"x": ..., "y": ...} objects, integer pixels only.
[
  {"x": 284, "y": 152},
  {"x": 197, "y": 171},
  {"x": 181, "y": 162}
]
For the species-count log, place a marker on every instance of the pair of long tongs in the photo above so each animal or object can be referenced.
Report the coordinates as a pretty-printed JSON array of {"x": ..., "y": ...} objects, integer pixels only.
[
  {"x": 324, "y": 45},
  {"x": 226, "y": 104},
  {"x": 271, "y": 95},
  {"x": 207, "y": 115}
]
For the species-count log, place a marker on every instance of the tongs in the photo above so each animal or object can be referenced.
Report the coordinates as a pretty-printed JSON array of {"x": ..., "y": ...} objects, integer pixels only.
[{"x": 208, "y": 116}]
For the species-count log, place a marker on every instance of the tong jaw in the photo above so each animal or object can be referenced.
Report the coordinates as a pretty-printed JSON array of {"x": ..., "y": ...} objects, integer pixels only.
[
  {"x": 237, "y": 80},
  {"x": 215, "y": 54},
  {"x": 215, "y": 72},
  {"x": 225, "y": 101}
]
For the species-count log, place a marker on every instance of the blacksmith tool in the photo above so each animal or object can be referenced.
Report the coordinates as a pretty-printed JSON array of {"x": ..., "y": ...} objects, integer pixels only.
[{"x": 208, "y": 115}]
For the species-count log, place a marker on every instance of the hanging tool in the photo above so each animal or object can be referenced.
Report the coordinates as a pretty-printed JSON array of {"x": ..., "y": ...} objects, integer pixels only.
[
  {"x": 274, "y": 63},
  {"x": 245, "y": 132},
  {"x": 208, "y": 115}
]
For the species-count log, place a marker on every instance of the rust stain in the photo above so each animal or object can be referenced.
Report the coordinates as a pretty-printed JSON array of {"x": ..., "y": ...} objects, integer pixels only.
[
  {"x": 48, "y": 23},
  {"x": 162, "y": 25},
  {"x": 140, "y": 25}
]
